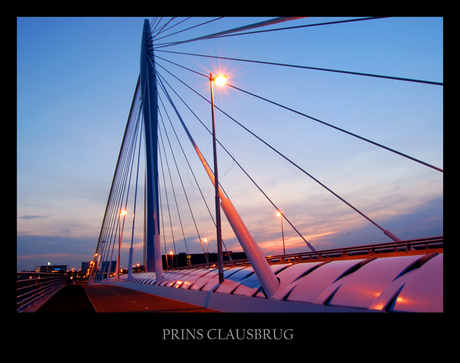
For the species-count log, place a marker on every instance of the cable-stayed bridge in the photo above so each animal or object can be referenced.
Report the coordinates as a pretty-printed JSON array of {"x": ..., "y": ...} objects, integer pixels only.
[{"x": 164, "y": 198}]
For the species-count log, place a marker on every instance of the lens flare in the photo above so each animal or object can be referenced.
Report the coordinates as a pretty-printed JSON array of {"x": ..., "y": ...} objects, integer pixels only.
[{"x": 220, "y": 80}]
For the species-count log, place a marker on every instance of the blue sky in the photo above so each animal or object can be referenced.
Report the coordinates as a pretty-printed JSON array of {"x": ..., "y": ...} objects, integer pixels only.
[{"x": 76, "y": 78}]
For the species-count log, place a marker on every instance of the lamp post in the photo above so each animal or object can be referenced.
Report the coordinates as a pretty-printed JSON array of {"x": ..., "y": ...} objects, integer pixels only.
[
  {"x": 98, "y": 263},
  {"x": 172, "y": 258},
  {"x": 219, "y": 80},
  {"x": 282, "y": 230},
  {"x": 122, "y": 213},
  {"x": 207, "y": 250}
]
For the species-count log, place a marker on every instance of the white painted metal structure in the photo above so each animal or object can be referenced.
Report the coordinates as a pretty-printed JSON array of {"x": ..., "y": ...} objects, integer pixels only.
[
  {"x": 250, "y": 247},
  {"x": 395, "y": 284},
  {"x": 412, "y": 283}
]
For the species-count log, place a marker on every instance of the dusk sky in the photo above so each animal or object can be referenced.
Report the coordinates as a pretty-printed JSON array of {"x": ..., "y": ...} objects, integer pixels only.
[{"x": 75, "y": 83}]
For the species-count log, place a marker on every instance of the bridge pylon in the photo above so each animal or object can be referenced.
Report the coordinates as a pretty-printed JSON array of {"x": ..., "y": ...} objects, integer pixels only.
[{"x": 148, "y": 78}]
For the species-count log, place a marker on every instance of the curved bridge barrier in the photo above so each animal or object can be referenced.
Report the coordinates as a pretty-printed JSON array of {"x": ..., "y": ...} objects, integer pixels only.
[
  {"x": 36, "y": 288},
  {"x": 410, "y": 283}
]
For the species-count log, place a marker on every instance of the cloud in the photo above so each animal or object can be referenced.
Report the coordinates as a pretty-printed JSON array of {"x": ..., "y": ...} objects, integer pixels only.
[
  {"x": 27, "y": 217},
  {"x": 46, "y": 256},
  {"x": 323, "y": 230},
  {"x": 33, "y": 250},
  {"x": 346, "y": 228}
]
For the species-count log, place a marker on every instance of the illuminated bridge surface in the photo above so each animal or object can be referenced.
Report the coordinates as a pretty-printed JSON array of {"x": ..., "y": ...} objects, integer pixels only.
[{"x": 411, "y": 283}]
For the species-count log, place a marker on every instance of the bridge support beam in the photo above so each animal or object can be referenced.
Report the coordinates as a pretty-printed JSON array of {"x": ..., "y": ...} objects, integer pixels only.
[
  {"x": 261, "y": 267},
  {"x": 257, "y": 259},
  {"x": 152, "y": 257}
]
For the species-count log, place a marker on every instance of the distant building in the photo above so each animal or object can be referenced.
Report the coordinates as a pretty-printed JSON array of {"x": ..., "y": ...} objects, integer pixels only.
[
  {"x": 85, "y": 266},
  {"x": 182, "y": 259},
  {"x": 52, "y": 268},
  {"x": 105, "y": 266}
]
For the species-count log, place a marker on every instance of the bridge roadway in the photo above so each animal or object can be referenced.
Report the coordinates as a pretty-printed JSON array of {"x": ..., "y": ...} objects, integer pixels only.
[
  {"x": 109, "y": 298},
  {"x": 114, "y": 299}
]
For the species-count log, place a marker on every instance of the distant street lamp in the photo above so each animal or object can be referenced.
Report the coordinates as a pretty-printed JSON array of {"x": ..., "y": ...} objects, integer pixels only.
[
  {"x": 282, "y": 230},
  {"x": 220, "y": 80}
]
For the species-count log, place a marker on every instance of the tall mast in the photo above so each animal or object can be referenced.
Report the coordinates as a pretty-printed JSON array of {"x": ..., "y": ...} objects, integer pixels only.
[{"x": 150, "y": 111}]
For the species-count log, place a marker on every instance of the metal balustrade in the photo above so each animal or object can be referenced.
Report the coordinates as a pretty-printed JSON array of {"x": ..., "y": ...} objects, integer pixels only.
[
  {"x": 424, "y": 244},
  {"x": 397, "y": 282},
  {"x": 420, "y": 245},
  {"x": 35, "y": 288}
]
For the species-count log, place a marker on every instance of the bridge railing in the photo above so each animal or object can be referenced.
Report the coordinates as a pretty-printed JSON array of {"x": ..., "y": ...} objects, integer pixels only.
[
  {"x": 242, "y": 261},
  {"x": 33, "y": 288},
  {"x": 374, "y": 249}
]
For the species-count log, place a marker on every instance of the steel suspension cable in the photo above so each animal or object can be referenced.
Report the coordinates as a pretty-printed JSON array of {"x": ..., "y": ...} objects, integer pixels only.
[
  {"x": 230, "y": 31},
  {"x": 177, "y": 169},
  {"x": 299, "y": 26},
  {"x": 167, "y": 202},
  {"x": 289, "y": 160},
  {"x": 117, "y": 198},
  {"x": 172, "y": 184},
  {"x": 242, "y": 169},
  {"x": 188, "y": 134},
  {"x": 180, "y": 178},
  {"x": 196, "y": 149},
  {"x": 159, "y": 31},
  {"x": 192, "y": 27},
  {"x": 163, "y": 225},
  {"x": 308, "y": 67},
  {"x": 154, "y": 23},
  {"x": 136, "y": 93},
  {"x": 172, "y": 26},
  {"x": 122, "y": 189},
  {"x": 108, "y": 232},
  {"x": 191, "y": 169},
  {"x": 315, "y": 119},
  {"x": 338, "y": 128},
  {"x": 135, "y": 192},
  {"x": 193, "y": 174},
  {"x": 132, "y": 154}
]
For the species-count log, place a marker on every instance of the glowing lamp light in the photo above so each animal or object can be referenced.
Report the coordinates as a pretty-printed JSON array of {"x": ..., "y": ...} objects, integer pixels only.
[
  {"x": 123, "y": 212},
  {"x": 278, "y": 214},
  {"x": 220, "y": 79}
]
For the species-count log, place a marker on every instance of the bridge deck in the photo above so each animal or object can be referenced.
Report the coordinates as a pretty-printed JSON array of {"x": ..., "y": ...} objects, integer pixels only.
[
  {"x": 114, "y": 299},
  {"x": 108, "y": 299},
  {"x": 71, "y": 298}
]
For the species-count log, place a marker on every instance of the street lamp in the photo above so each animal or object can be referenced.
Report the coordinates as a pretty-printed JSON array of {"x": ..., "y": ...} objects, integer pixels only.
[
  {"x": 220, "y": 80},
  {"x": 278, "y": 214}
]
